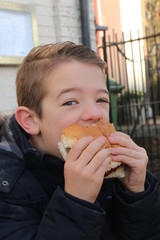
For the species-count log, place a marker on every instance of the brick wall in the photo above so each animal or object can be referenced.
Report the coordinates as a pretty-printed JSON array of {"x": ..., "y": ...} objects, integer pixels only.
[{"x": 57, "y": 20}]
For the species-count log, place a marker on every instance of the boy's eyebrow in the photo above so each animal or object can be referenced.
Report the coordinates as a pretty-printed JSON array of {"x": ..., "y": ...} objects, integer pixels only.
[
  {"x": 104, "y": 91},
  {"x": 66, "y": 90}
]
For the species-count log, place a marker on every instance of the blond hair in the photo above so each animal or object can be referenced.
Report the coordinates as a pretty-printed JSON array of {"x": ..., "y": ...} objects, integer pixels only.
[{"x": 36, "y": 66}]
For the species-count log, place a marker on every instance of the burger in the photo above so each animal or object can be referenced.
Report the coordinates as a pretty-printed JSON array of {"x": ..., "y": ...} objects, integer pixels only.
[{"x": 75, "y": 132}]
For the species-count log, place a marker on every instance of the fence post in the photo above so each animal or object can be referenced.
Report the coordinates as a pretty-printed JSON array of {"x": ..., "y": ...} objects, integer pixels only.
[{"x": 104, "y": 29}]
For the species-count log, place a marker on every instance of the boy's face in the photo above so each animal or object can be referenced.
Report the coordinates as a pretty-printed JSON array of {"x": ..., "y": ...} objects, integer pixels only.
[{"x": 76, "y": 93}]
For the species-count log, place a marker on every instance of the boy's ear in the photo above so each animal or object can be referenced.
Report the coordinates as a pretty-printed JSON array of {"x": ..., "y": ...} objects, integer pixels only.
[{"x": 28, "y": 120}]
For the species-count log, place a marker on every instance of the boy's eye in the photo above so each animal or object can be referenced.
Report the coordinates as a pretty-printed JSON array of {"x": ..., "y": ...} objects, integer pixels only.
[
  {"x": 70, "y": 103},
  {"x": 103, "y": 100}
]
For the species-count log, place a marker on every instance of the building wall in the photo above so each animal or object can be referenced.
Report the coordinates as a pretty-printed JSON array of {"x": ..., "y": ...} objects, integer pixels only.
[
  {"x": 57, "y": 20},
  {"x": 111, "y": 16},
  {"x": 108, "y": 14}
]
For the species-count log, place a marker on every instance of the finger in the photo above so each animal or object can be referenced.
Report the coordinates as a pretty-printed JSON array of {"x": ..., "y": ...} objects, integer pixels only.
[
  {"x": 123, "y": 140},
  {"x": 124, "y": 159},
  {"x": 102, "y": 168},
  {"x": 130, "y": 161},
  {"x": 91, "y": 150},
  {"x": 78, "y": 148},
  {"x": 128, "y": 152},
  {"x": 97, "y": 161}
]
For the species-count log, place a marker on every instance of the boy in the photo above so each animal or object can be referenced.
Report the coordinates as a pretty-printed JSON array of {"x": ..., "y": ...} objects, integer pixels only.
[{"x": 43, "y": 198}]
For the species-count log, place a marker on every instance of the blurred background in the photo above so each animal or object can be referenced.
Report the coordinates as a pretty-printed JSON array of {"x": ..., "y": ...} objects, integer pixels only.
[{"x": 125, "y": 33}]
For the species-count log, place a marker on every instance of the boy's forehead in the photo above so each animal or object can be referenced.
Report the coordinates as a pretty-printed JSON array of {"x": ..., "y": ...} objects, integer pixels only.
[
  {"x": 71, "y": 66},
  {"x": 74, "y": 74}
]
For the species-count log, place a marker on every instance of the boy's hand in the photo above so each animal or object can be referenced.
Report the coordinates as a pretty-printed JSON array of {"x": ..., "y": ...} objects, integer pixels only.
[
  {"x": 84, "y": 168},
  {"x": 135, "y": 159}
]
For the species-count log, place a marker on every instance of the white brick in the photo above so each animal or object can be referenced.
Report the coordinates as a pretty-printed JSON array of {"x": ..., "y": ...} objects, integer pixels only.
[
  {"x": 47, "y": 40},
  {"x": 46, "y": 31},
  {"x": 69, "y": 3},
  {"x": 45, "y": 21},
  {"x": 69, "y": 12},
  {"x": 44, "y": 11}
]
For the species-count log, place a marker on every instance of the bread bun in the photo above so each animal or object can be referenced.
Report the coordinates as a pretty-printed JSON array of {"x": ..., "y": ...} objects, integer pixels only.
[{"x": 75, "y": 132}]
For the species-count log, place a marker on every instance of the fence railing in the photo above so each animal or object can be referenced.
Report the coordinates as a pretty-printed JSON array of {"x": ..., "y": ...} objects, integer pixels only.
[{"x": 134, "y": 71}]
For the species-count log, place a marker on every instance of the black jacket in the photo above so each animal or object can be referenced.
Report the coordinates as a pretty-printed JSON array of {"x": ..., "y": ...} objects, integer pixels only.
[{"x": 33, "y": 204}]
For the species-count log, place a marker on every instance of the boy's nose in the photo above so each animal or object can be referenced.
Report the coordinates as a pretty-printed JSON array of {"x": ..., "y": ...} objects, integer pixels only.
[{"x": 91, "y": 112}]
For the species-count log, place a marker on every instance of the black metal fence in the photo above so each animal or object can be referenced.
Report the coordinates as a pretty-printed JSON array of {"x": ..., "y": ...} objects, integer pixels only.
[{"x": 133, "y": 79}]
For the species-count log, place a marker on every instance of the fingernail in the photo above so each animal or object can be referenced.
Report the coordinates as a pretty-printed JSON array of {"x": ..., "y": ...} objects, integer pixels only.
[
  {"x": 102, "y": 139},
  {"x": 90, "y": 138},
  {"x": 111, "y": 135}
]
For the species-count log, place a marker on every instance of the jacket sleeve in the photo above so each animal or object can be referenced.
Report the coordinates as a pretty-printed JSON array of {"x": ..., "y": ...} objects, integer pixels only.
[
  {"x": 68, "y": 219},
  {"x": 64, "y": 219},
  {"x": 138, "y": 215}
]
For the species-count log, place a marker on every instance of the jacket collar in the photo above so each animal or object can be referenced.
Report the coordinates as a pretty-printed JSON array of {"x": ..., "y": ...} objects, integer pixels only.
[{"x": 20, "y": 154}]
